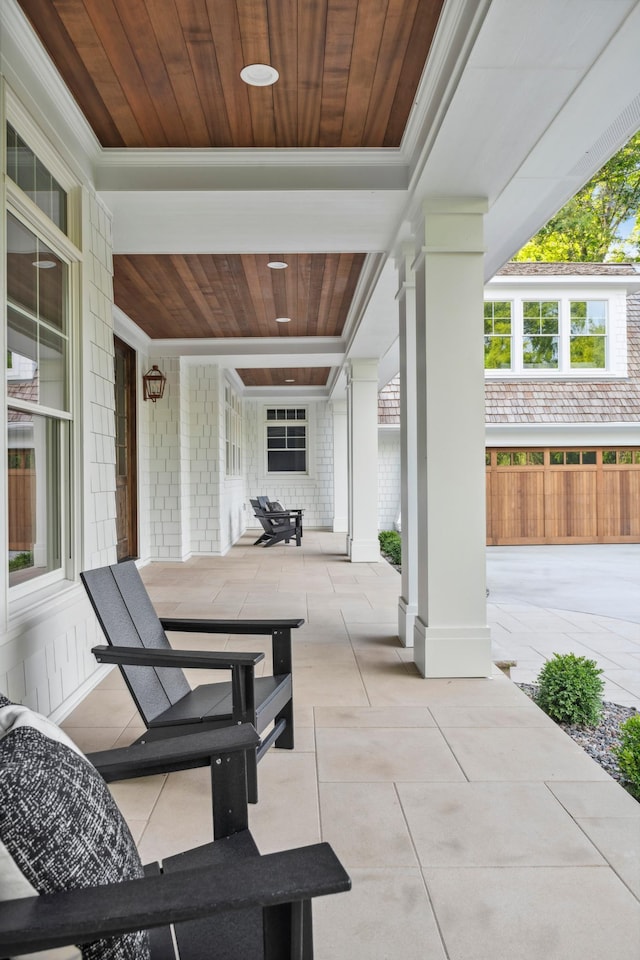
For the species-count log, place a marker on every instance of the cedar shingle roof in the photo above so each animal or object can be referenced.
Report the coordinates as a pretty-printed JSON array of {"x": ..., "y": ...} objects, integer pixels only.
[
  {"x": 569, "y": 269},
  {"x": 554, "y": 401},
  {"x": 389, "y": 402}
]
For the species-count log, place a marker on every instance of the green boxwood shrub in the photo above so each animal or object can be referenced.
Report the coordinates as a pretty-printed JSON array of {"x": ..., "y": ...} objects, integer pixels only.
[
  {"x": 570, "y": 689},
  {"x": 20, "y": 561},
  {"x": 391, "y": 545},
  {"x": 628, "y": 754}
]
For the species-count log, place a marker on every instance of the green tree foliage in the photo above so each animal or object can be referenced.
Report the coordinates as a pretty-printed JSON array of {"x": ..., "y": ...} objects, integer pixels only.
[{"x": 590, "y": 226}]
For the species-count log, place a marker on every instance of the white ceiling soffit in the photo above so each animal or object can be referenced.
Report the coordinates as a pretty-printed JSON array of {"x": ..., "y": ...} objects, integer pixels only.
[
  {"x": 544, "y": 83},
  {"x": 320, "y": 221},
  {"x": 255, "y": 351}
]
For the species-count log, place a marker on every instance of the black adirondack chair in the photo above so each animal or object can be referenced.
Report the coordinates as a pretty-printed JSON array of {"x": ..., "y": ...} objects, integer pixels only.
[
  {"x": 224, "y": 898},
  {"x": 153, "y": 671},
  {"x": 274, "y": 506},
  {"x": 278, "y": 525}
]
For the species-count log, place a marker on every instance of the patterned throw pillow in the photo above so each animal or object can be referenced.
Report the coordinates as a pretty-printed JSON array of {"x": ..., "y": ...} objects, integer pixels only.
[
  {"x": 59, "y": 825},
  {"x": 276, "y": 507}
]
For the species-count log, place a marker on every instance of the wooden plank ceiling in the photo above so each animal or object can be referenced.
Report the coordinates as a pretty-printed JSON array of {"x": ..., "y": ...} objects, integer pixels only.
[
  {"x": 285, "y": 377},
  {"x": 220, "y": 295},
  {"x": 166, "y": 73}
]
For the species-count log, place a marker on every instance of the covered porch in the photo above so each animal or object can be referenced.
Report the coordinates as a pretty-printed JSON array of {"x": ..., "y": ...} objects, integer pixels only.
[{"x": 471, "y": 825}]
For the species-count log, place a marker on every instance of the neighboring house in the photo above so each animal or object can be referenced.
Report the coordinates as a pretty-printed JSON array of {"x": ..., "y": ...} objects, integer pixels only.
[{"x": 562, "y": 356}]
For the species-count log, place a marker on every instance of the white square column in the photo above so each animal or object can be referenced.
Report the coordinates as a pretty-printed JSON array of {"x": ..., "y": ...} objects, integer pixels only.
[
  {"x": 362, "y": 424},
  {"x": 451, "y": 636},
  {"x": 340, "y": 467},
  {"x": 406, "y": 296}
]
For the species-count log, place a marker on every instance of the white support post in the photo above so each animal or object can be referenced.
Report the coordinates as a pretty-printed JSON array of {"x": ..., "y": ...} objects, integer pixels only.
[
  {"x": 406, "y": 296},
  {"x": 450, "y": 634},
  {"x": 340, "y": 468},
  {"x": 362, "y": 406}
]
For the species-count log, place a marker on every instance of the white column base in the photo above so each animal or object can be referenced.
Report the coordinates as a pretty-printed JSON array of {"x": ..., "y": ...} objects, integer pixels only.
[
  {"x": 406, "y": 619},
  {"x": 452, "y": 651},
  {"x": 340, "y": 524},
  {"x": 365, "y": 551}
]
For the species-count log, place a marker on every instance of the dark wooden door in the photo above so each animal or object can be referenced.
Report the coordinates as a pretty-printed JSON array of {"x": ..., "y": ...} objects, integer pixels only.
[{"x": 126, "y": 445}]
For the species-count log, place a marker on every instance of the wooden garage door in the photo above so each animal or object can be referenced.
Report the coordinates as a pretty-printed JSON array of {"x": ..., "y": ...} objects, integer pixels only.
[{"x": 563, "y": 495}]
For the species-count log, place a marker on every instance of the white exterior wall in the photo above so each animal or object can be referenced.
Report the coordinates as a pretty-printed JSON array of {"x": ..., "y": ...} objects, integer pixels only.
[
  {"x": 46, "y": 637},
  {"x": 388, "y": 478},
  {"x": 314, "y": 492},
  {"x": 194, "y": 508},
  {"x": 166, "y": 467}
]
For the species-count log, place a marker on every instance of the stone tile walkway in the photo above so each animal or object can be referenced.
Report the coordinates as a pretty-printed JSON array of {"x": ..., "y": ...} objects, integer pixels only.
[{"x": 473, "y": 828}]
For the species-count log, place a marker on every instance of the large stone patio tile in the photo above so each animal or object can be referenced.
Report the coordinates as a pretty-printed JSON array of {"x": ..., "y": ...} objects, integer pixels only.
[
  {"x": 103, "y": 708},
  {"x": 386, "y": 916},
  {"x": 492, "y": 824},
  {"x": 381, "y": 838},
  {"x": 547, "y": 913},
  {"x": 366, "y": 634},
  {"x": 603, "y": 799},
  {"x": 287, "y": 813},
  {"x": 181, "y": 817},
  {"x": 618, "y": 839},
  {"x": 525, "y": 714},
  {"x": 89, "y": 739},
  {"x": 533, "y": 753},
  {"x": 137, "y": 798},
  {"x": 322, "y": 652},
  {"x": 388, "y": 717},
  {"x": 315, "y": 684},
  {"x": 374, "y": 754},
  {"x": 407, "y": 686},
  {"x": 570, "y": 646}
]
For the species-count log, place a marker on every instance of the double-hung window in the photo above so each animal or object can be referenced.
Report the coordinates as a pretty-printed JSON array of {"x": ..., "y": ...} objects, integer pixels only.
[
  {"x": 286, "y": 436},
  {"x": 38, "y": 355},
  {"x": 588, "y": 334},
  {"x": 540, "y": 334},
  {"x": 497, "y": 334}
]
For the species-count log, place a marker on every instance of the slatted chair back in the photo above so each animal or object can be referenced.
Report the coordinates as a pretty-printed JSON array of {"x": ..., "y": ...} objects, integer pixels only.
[{"x": 127, "y": 618}]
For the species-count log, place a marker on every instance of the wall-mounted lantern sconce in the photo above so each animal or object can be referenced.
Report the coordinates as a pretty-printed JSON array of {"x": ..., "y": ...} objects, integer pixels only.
[{"x": 153, "y": 383}]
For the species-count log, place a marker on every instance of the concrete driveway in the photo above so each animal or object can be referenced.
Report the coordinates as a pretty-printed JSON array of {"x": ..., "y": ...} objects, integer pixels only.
[
  {"x": 596, "y": 578},
  {"x": 582, "y": 599}
]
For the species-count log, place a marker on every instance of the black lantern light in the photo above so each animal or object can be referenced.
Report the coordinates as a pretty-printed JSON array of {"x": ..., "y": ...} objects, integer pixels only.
[{"x": 153, "y": 383}]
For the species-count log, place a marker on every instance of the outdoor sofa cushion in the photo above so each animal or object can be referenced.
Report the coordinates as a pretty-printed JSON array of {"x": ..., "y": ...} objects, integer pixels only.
[{"x": 59, "y": 825}]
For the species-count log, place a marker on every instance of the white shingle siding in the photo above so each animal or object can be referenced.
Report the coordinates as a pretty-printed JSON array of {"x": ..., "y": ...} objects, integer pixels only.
[
  {"x": 99, "y": 447},
  {"x": 313, "y": 492},
  {"x": 388, "y": 478}
]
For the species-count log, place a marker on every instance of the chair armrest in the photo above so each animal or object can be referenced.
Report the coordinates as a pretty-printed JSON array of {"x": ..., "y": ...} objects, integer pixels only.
[
  {"x": 229, "y": 626},
  {"x": 154, "y": 657},
  {"x": 80, "y": 916},
  {"x": 175, "y": 753}
]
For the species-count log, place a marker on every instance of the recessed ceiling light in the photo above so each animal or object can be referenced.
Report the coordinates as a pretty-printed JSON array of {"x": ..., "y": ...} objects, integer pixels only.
[
  {"x": 283, "y": 319},
  {"x": 289, "y": 381},
  {"x": 277, "y": 264},
  {"x": 44, "y": 264},
  {"x": 259, "y": 74}
]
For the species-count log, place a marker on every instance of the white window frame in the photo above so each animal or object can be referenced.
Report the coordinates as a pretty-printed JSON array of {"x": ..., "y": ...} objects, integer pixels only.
[
  {"x": 232, "y": 432},
  {"x": 307, "y": 425},
  {"x": 564, "y": 299},
  {"x": 20, "y": 205}
]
